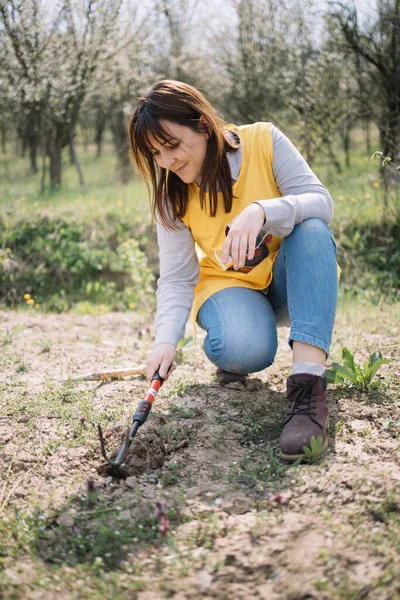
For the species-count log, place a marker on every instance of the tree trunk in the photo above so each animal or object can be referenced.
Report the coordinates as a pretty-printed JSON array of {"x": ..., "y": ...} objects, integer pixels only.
[
  {"x": 3, "y": 138},
  {"x": 367, "y": 129},
  {"x": 345, "y": 134},
  {"x": 332, "y": 155},
  {"x": 125, "y": 171},
  {"x": 21, "y": 142},
  {"x": 54, "y": 153},
  {"x": 86, "y": 133},
  {"x": 32, "y": 137},
  {"x": 390, "y": 143},
  {"x": 307, "y": 141},
  {"x": 100, "y": 126},
  {"x": 74, "y": 155}
]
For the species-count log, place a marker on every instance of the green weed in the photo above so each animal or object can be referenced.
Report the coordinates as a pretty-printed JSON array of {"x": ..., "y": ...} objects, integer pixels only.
[
  {"x": 316, "y": 448},
  {"x": 7, "y": 336},
  {"x": 176, "y": 434},
  {"x": 392, "y": 428},
  {"x": 268, "y": 469},
  {"x": 172, "y": 474},
  {"x": 179, "y": 412},
  {"x": 263, "y": 427},
  {"x": 90, "y": 531},
  {"x": 356, "y": 375}
]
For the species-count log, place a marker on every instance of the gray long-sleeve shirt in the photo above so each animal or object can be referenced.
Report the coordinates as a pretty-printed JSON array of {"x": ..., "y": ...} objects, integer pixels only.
[{"x": 303, "y": 197}]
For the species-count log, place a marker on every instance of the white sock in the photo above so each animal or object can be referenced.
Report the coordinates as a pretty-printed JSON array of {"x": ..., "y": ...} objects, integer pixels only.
[{"x": 312, "y": 368}]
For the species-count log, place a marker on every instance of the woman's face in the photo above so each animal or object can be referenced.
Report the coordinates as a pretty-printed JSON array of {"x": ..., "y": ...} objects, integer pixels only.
[{"x": 184, "y": 156}]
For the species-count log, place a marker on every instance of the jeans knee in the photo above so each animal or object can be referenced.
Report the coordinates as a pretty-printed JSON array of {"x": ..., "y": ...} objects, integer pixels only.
[
  {"x": 313, "y": 235},
  {"x": 238, "y": 355}
]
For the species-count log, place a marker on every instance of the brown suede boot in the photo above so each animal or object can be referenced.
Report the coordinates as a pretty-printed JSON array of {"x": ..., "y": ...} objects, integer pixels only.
[
  {"x": 307, "y": 415},
  {"x": 225, "y": 377}
]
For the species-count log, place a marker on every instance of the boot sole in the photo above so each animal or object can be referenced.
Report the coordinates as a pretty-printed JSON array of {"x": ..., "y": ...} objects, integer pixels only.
[{"x": 293, "y": 457}]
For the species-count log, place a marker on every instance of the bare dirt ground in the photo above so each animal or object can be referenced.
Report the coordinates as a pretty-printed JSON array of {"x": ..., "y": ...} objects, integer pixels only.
[{"x": 232, "y": 521}]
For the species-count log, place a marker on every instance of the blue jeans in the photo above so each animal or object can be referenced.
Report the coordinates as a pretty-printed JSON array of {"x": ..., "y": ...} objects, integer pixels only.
[{"x": 241, "y": 324}]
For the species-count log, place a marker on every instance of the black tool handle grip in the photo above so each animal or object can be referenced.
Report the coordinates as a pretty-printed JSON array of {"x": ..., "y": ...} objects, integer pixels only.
[
  {"x": 142, "y": 412},
  {"x": 158, "y": 377}
]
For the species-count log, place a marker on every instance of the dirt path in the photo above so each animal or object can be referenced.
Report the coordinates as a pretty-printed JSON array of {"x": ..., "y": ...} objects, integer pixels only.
[{"x": 232, "y": 522}]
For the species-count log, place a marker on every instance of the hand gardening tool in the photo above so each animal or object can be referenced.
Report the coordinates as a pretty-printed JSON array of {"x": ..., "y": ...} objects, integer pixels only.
[
  {"x": 109, "y": 374},
  {"x": 140, "y": 416}
]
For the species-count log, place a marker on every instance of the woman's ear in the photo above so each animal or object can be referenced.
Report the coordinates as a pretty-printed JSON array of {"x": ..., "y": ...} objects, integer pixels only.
[{"x": 205, "y": 125}]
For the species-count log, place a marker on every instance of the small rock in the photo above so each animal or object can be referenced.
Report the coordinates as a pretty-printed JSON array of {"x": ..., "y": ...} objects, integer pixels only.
[
  {"x": 204, "y": 580},
  {"x": 131, "y": 482},
  {"x": 193, "y": 492},
  {"x": 235, "y": 385},
  {"x": 67, "y": 520},
  {"x": 237, "y": 504},
  {"x": 125, "y": 515}
]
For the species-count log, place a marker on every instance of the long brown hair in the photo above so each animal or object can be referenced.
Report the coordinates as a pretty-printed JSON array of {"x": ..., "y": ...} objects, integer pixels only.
[{"x": 183, "y": 104}]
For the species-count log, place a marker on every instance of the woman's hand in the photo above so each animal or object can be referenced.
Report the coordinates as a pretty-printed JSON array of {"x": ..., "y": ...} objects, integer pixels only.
[
  {"x": 243, "y": 232},
  {"x": 161, "y": 358}
]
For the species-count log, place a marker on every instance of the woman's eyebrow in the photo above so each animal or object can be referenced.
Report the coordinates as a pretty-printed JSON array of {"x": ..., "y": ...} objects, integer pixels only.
[{"x": 164, "y": 143}]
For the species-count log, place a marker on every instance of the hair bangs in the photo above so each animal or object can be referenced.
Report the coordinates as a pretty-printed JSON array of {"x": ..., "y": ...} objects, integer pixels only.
[{"x": 150, "y": 127}]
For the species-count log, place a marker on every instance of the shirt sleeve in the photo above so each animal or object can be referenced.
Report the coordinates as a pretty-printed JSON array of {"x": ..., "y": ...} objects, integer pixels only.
[
  {"x": 179, "y": 274},
  {"x": 303, "y": 195}
]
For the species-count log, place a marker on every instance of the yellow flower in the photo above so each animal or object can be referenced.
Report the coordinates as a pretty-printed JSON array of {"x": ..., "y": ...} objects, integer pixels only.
[
  {"x": 353, "y": 199},
  {"x": 27, "y": 296},
  {"x": 132, "y": 305},
  {"x": 341, "y": 198},
  {"x": 37, "y": 305},
  {"x": 30, "y": 301},
  {"x": 23, "y": 198},
  {"x": 102, "y": 306},
  {"x": 379, "y": 207},
  {"x": 91, "y": 202},
  {"x": 376, "y": 184},
  {"x": 80, "y": 197},
  {"x": 119, "y": 203},
  {"x": 367, "y": 196},
  {"x": 36, "y": 204}
]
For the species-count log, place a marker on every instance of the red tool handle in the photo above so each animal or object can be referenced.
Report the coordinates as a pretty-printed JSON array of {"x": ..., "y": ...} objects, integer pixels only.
[{"x": 144, "y": 407}]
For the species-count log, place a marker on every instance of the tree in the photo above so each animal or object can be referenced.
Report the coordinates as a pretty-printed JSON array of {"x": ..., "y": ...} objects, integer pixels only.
[
  {"x": 257, "y": 60},
  {"x": 52, "y": 62},
  {"x": 375, "y": 46}
]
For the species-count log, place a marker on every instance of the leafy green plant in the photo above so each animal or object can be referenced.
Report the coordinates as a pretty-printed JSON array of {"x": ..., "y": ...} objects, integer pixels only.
[
  {"x": 316, "y": 448},
  {"x": 392, "y": 428},
  {"x": 355, "y": 375},
  {"x": 57, "y": 262},
  {"x": 386, "y": 160}
]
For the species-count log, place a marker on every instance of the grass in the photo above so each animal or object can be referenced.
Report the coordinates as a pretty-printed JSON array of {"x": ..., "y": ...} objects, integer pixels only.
[
  {"x": 354, "y": 188},
  {"x": 20, "y": 190}
]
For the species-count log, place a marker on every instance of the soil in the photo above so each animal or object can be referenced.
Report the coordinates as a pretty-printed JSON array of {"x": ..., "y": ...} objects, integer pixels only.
[{"x": 247, "y": 525}]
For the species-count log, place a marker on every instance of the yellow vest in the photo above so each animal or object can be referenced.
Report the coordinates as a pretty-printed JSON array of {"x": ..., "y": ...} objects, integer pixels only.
[{"x": 255, "y": 182}]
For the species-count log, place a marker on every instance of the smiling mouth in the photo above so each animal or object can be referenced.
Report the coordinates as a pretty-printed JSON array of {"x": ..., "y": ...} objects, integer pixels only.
[{"x": 180, "y": 169}]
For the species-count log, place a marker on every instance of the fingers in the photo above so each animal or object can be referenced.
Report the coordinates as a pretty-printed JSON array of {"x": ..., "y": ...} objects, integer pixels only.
[
  {"x": 241, "y": 239},
  {"x": 152, "y": 367},
  {"x": 166, "y": 369},
  {"x": 251, "y": 246},
  {"x": 161, "y": 358},
  {"x": 226, "y": 248}
]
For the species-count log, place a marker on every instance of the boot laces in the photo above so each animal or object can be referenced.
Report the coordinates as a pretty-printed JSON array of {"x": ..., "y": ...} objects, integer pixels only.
[{"x": 302, "y": 400}]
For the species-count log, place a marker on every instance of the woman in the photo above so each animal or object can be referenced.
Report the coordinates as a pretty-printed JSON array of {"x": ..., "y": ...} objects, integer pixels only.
[{"x": 230, "y": 189}]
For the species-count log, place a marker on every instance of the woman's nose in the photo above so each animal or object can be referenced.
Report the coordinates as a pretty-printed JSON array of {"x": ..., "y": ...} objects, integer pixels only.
[{"x": 166, "y": 159}]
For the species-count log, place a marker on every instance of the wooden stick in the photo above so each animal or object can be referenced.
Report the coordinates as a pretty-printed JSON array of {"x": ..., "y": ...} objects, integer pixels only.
[{"x": 109, "y": 374}]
